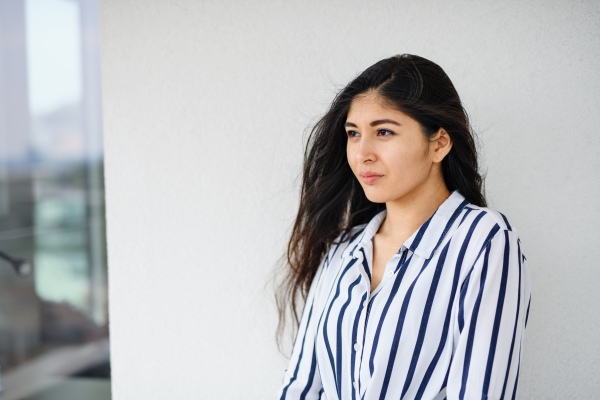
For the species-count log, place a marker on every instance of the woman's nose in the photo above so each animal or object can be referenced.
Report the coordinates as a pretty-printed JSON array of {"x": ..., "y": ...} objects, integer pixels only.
[{"x": 364, "y": 152}]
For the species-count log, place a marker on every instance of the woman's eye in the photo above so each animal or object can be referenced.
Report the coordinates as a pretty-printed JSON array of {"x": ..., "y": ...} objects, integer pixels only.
[{"x": 383, "y": 132}]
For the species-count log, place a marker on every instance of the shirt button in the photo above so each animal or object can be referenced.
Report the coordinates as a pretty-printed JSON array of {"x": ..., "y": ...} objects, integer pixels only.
[
  {"x": 365, "y": 303},
  {"x": 357, "y": 346},
  {"x": 390, "y": 273},
  {"x": 355, "y": 385}
]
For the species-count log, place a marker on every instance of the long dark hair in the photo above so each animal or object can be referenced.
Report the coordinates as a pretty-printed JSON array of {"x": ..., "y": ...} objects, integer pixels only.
[{"x": 332, "y": 200}]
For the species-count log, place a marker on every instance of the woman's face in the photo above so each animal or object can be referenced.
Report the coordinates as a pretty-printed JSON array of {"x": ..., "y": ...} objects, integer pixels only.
[{"x": 390, "y": 146}]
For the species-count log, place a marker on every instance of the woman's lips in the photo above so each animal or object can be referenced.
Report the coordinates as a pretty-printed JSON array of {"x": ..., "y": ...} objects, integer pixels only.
[{"x": 371, "y": 179}]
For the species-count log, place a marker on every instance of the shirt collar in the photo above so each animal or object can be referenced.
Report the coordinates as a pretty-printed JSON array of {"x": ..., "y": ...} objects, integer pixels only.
[{"x": 424, "y": 240}]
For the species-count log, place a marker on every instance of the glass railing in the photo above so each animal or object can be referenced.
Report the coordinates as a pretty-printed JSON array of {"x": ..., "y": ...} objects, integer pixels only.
[{"x": 53, "y": 277}]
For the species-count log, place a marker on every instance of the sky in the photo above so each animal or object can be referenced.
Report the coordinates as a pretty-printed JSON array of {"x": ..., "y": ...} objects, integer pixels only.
[{"x": 53, "y": 53}]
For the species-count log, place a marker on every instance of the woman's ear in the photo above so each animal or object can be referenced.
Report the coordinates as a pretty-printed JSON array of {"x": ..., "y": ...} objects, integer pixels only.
[{"x": 443, "y": 144}]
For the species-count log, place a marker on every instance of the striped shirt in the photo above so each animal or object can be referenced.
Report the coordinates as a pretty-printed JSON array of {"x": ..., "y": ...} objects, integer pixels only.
[{"x": 447, "y": 320}]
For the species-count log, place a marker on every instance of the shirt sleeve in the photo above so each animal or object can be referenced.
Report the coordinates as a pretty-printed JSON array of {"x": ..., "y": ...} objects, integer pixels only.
[
  {"x": 302, "y": 379},
  {"x": 491, "y": 319}
]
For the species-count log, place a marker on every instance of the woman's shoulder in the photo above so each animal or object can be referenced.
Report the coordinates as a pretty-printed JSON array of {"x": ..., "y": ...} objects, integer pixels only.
[
  {"x": 486, "y": 217},
  {"x": 482, "y": 225},
  {"x": 491, "y": 232}
]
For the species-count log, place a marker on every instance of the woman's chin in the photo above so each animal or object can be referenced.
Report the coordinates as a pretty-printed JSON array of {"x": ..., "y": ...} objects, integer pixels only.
[{"x": 377, "y": 197}]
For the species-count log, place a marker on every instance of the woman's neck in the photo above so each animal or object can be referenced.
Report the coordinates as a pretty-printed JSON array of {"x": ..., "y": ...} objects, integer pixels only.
[{"x": 406, "y": 214}]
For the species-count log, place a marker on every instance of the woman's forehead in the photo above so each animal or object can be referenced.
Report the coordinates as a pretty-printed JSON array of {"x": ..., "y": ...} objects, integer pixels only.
[{"x": 372, "y": 107}]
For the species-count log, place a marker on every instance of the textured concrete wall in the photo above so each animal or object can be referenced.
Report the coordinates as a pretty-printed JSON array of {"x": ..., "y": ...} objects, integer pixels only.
[{"x": 205, "y": 104}]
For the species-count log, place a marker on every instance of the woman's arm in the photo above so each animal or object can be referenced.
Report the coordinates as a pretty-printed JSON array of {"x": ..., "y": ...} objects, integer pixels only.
[
  {"x": 301, "y": 379},
  {"x": 493, "y": 309}
]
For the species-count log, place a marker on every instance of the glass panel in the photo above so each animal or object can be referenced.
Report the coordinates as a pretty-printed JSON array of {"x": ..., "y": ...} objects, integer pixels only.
[{"x": 53, "y": 322}]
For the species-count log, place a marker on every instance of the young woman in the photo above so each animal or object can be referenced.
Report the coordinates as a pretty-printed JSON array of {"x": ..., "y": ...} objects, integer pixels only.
[{"x": 412, "y": 287}]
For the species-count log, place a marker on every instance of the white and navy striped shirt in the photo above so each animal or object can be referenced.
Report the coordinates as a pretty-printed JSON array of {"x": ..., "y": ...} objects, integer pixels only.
[{"x": 447, "y": 320}]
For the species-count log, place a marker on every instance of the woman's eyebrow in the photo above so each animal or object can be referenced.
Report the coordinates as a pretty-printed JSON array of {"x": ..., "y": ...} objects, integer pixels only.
[
  {"x": 376, "y": 122},
  {"x": 384, "y": 121}
]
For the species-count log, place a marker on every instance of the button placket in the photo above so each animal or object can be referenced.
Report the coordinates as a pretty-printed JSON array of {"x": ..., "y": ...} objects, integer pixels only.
[
  {"x": 358, "y": 346},
  {"x": 360, "y": 253},
  {"x": 360, "y": 353}
]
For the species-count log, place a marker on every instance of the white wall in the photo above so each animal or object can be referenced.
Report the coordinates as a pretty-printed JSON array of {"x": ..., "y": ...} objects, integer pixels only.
[{"x": 205, "y": 104}]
